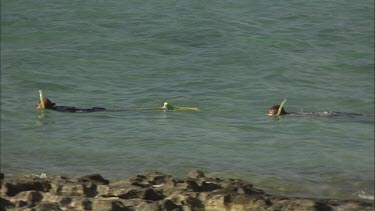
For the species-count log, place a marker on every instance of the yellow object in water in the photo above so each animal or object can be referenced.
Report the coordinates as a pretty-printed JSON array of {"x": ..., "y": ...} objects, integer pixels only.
[
  {"x": 41, "y": 99},
  {"x": 183, "y": 108},
  {"x": 179, "y": 108},
  {"x": 281, "y": 107}
]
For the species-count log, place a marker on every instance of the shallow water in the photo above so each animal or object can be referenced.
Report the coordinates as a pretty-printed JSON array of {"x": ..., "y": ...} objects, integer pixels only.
[{"x": 232, "y": 59}]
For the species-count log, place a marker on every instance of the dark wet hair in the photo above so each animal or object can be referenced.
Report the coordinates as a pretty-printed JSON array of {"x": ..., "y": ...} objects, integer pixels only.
[
  {"x": 274, "y": 109},
  {"x": 47, "y": 103}
]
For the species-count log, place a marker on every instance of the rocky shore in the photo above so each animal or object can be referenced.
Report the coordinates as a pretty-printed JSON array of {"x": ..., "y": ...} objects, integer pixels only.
[{"x": 154, "y": 191}]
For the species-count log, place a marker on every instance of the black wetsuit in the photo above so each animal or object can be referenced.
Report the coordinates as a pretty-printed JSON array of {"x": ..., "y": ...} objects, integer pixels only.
[
  {"x": 72, "y": 109},
  {"x": 326, "y": 114},
  {"x": 77, "y": 110}
]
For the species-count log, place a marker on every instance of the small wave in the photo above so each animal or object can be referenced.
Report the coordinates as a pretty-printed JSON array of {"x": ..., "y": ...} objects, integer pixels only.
[
  {"x": 42, "y": 175},
  {"x": 363, "y": 194}
]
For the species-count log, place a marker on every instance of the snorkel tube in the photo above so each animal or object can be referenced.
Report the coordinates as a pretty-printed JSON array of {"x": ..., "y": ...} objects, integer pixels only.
[
  {"x": 281, "y": 107},
  {"x": 41, "y": 99}
]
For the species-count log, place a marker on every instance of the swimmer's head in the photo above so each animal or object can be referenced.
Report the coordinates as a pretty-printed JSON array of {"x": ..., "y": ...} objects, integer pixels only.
[
  {"x": 167, "y": 106},
  {"x": 274, "y": 109},
  {"x": 47, "y": 104}
]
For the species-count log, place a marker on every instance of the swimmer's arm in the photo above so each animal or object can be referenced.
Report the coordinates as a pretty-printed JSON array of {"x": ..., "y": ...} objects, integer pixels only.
[
  {"x": 159, "y": 108},
  {"x": 136, "y": 109},
  {"x": 184, "y": 108}
]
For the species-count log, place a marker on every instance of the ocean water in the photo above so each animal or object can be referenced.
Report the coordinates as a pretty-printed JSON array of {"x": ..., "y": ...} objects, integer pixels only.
[{"x": 231, "y": 59}]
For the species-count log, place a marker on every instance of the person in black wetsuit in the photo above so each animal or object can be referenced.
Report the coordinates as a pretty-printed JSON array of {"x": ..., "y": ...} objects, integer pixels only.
[
  {"x": 272, "y": 111},
  {"x": 52, "y": 106}
]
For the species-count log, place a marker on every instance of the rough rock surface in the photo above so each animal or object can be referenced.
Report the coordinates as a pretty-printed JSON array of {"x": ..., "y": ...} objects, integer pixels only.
[{"x": 154, "y": 191}]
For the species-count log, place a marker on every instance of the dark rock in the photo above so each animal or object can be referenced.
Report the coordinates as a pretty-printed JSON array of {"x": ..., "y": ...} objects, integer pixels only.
[
  {"x": 4, "y": 204},
  {"x": 192, "y": 185},
  {"x": 140, "y": 184},
  {"x": 152, "y": 194},
  {"x": 1, "y": 180},
  {"x": 47, "y": 206},
  {"x": 133, "y": 193},
  {"x": 168, "y": 205},
  {"x": 155, "y": 191},
  {"x": 157, "y": 178},
  {"x": 139, "y": 178},
  {"x": 75, "y": 203},
  {"x": 196, "y": 174},
  {"x": 30, "y": 197},
  {"x": 109, "y": 205},
  {"x": 96, "y": 179},
  {"x": 323, "y": 207},
  {"x": 86, "y": 204},
  {"x": 90, "y": 190},
  {"x": 194, "y": 203},
  {"x": 21, "y": 203},
  {"x": 126, "y": 193},
  {"x": 139, "y": 181},
  {"x": 240, "y": 187},
  {"x": 209, "y": 186},
  {"x": 26, "y": 184},
  {"x": 65, "y": 201}
]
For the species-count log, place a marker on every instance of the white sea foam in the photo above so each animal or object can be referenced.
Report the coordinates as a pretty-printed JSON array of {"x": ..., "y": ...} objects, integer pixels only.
[{"x": 363, "y": 194}]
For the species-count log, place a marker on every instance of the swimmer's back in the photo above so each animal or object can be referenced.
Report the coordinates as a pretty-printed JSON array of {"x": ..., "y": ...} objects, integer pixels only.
[
  {"x": 327, "y": 114},
  {"x": 78, "y": 110}
]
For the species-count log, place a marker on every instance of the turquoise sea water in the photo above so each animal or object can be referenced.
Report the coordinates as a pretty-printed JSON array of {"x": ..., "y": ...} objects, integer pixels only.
[{"x": 232, "y": 59}]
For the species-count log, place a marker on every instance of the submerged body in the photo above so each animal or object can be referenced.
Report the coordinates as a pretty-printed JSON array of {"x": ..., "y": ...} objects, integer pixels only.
[
  {"x": 273, "y": 111},
  {"x": 326, "y": 114},
  {"x": 78, "y": 110},
  {"x": 47, "y": 104}
]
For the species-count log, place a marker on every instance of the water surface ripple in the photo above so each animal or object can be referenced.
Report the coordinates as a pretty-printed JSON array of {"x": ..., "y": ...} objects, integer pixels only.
[{"x": 232, "y": 59}]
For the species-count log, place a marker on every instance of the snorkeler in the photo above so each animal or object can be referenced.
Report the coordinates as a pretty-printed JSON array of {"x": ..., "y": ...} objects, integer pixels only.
[
  {"x": 52, "y": 106},
  {"x": 45, "y": 103},
  {"x": 275, "y": 111}
]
